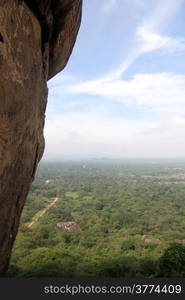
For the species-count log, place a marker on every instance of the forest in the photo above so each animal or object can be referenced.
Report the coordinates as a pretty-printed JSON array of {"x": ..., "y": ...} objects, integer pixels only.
[{"x": 103, "y": 218}]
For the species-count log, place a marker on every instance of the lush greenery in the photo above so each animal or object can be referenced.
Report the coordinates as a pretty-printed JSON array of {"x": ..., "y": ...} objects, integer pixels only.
[{"x": 131, "y": 216}]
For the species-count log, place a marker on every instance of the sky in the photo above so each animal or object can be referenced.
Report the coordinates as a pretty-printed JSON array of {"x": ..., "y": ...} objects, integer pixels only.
[{"x": 122, "y": 94}]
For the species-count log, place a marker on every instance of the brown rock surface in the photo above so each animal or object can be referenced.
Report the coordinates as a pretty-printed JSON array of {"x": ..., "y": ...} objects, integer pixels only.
[{"x": 35, "y": 44}]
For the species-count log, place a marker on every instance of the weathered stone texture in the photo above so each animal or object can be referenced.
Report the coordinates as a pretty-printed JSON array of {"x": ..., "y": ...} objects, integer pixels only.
[
  {"x": 26, "y": 59},
  {"x": 65, "y": 35}
]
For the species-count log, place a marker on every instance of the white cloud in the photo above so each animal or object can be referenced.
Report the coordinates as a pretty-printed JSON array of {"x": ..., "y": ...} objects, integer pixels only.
[
  {"x": 161, "y": 94},
  {"x": 148, "y": 37},
  {"x": 151, "y": 41},
  {"x": 94, "y": 134},
  {"x": 90, "y": 135},
  {"x": 148, "y": 41},
  {"x": 147, "y": 90}
]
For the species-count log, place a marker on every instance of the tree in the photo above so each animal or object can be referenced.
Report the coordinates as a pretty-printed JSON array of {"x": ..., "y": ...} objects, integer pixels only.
[{"x": 172, "y": 262}]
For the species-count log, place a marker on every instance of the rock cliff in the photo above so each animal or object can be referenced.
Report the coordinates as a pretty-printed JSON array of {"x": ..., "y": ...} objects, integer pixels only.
[{"x": 36, "y": 40}]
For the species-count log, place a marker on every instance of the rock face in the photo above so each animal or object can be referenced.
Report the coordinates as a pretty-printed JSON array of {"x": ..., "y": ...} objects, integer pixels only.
[{"x": 36, "y": 40}]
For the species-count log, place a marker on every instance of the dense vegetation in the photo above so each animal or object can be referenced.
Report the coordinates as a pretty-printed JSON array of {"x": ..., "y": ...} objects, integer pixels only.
[{"x": 131, "y": 216}]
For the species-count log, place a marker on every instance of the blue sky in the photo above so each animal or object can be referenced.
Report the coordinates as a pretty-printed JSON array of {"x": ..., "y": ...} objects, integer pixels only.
[{"x": 122, "y": 93}]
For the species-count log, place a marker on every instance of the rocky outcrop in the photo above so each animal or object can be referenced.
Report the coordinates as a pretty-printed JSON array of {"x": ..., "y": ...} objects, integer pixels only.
[
  {"x": 68, "y": 226},
  {"x": 145, "y": 239},
  {"x": 36, "y": 40}
]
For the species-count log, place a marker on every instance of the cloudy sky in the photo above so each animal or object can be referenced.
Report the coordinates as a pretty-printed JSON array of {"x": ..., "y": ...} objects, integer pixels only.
[{"x": 123, "y": 91}]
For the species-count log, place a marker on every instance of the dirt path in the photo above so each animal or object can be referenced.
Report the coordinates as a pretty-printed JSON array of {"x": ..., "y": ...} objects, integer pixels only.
[{"x": 42, "y": 212}]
